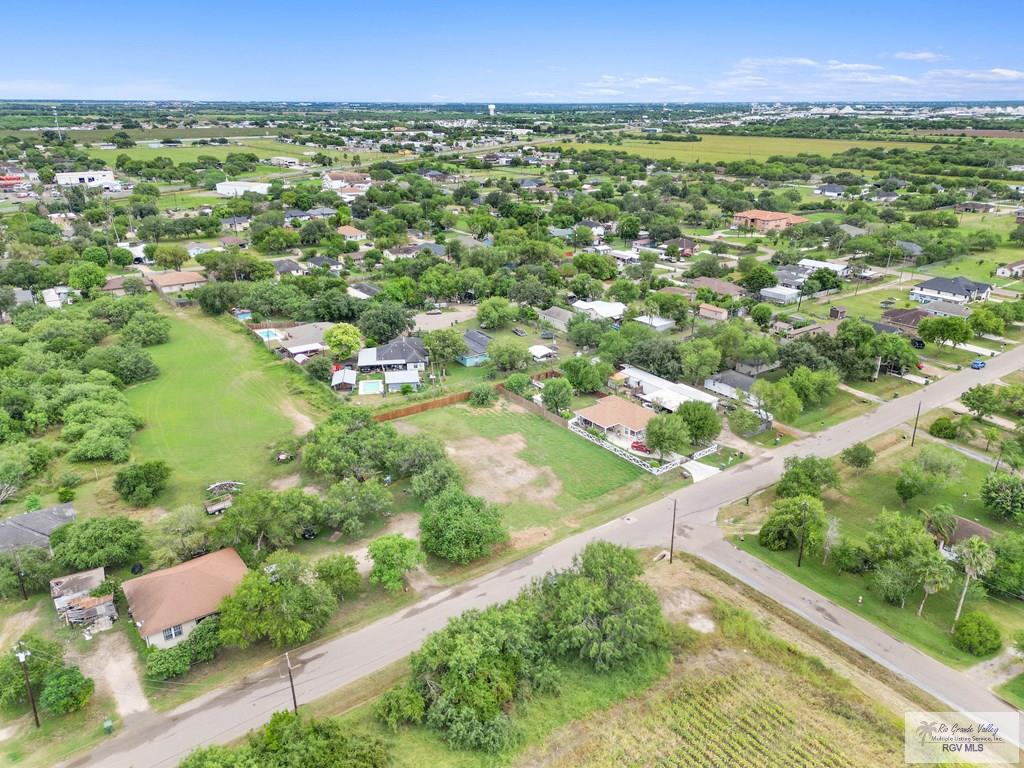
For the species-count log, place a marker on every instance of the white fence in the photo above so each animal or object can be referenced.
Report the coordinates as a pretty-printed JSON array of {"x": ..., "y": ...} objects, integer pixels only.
[{"x": 636, "y": 460}]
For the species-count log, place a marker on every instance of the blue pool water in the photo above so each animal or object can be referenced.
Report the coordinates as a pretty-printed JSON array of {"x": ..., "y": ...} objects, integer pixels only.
[
  {"x": 269, "y": 334},
  {"x": 371, "y": 387}
]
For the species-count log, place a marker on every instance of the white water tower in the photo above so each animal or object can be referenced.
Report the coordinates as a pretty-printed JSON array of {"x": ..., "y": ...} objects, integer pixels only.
[{"x": 490, "y": 110}]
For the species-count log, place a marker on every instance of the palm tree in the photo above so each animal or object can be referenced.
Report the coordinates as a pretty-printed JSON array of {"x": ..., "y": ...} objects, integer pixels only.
[
  {"x": 936, "y": 574},
  {"x": 977, "y": 559},
  {"x": 939, "y": 521}
]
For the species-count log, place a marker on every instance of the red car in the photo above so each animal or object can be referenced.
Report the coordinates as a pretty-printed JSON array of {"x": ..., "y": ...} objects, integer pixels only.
[{"x": 638, "y": 446}]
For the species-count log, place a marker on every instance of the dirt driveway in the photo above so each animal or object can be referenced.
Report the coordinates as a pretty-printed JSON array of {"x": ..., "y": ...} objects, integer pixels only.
[
  {"x": 113, "y": 664},
  {"x": 456, "y": 314}
]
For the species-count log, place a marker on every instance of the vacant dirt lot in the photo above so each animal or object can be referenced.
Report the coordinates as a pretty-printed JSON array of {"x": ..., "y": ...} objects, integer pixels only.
[
  {"x": 494, "y": 471},
  {"x": 113, "y": 665}
]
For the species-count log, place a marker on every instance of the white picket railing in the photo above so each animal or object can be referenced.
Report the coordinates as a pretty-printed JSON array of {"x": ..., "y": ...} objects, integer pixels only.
[{"x": 624, "y": 454}]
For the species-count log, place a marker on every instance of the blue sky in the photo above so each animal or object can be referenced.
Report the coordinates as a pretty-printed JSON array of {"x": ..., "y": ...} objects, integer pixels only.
[{"x": 380, "y": 50}]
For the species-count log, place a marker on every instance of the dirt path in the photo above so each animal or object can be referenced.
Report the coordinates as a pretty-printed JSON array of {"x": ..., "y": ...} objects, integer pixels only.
[
  {"x": 407, "y": 524},
  {"x": 303, "y": 424},
  {"x": 17, "y": 624},
  {"x": 997, "y": 671},
  {"x": 113, "y": 665},
  {"x": 286, "y": 482}
]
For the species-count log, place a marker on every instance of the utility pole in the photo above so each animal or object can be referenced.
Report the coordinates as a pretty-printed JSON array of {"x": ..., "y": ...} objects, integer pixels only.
[
  {"x": 913, "y": 437},
  {"x": 291, "y": 682},
  {"x": 22, "y": 655},
  {"x": 672, "y": 538}
]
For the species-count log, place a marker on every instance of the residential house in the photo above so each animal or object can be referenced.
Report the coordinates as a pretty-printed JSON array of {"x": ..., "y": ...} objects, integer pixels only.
[
  {"x": 289, "y": 267},
  {"x": 659, "y": 391},
  {"x": 326, "y": 262},
  {"x": 74, "y": 604},
  {"x": 476, "y": 348},
  {"x": 713, "y": 313},
  {"x": 830, "y": 190},
  {"x": 304, "y": 340},
  {"x": 616, "y": 417},
  {"x": 23, "y": 296},
  {"x": 321, "y": 212},
  {"x": 766, "y": 221},
  {"x": 33, "y": 529},
  {"x": 557, "y": 317},
  {"x": 974, "y": 207},
  {"x": 957, "y": 290},
  {"x": 1013, "y": 269},
  {"x": 344, "y": 379},
  {"x": 596, "y": 228},
  {"x": 234, "y": 242},
  {"x": 601, "y": 310},
  {"x": 114, "y": 286},
  {"x": 963, "y": 530},
  {"x": 780, "y": 294},
  {"x": 171, "y": 282},
  {"x": 734, "y": 385},
  {"x": 842, "y": 270},
  {"x": 562, "y": 233},
  {"x": 942, "y": 308},
  {"x": 622, "y": 258},
  {"x": 235, "y": 223},
  {"x": 362, "y": 290},
  {"x": 792, "y": 275},
  {"x": 906, "y": 320},
  {"x": 853, "y": 231},
  {"x": 167, "y": 605},
  {"x": 656, "y": 323},
  {"x": 882, "y": 196},
  {"x": 403, "y": 353},
  {"x": 685, "y": 245},
  {"x": 912, "y": 250},
  {"x": 718, "y": 286},
  {"x": 401, "y": 252},
  {"x": 336, "y": 180},
  {"x": 395, "y": 380},
  {"x": 349, "y": 232}
]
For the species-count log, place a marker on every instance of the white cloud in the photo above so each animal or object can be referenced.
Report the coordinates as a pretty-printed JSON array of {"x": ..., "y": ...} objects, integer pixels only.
[
  {"x": 918, "y": 56},
  {"x": 994, "y": 75},
  {"x": 842, "y": 66}
]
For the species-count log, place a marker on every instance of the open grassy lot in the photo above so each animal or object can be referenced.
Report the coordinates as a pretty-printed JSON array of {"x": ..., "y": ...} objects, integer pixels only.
[
  {"x": 856, "y": 503},
  {"x": 539, "y": 473},
  {"x": 887, "y": 387},
  {"x": 215, "y": 410},
  {"x": 713, "y": 148},
  {"x": 841, "y": 407}
]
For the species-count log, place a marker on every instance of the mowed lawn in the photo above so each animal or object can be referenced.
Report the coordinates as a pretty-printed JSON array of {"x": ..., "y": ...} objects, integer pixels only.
[
  {"x": 861, "y": 496},
  {"x": 214, "y": 411},
  {"x": 713, "y": 148},
  {"x": 543, "y": 474}
]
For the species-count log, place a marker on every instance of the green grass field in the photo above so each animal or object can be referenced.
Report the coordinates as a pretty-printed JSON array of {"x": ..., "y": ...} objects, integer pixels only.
[
  {"x": 214, "y": 411},
  {"x": 841, "y": 407},
  {"x": 555, "y": 479},
  {"x": 713, "y": 148},
  {"x": 856, "y": 503}
]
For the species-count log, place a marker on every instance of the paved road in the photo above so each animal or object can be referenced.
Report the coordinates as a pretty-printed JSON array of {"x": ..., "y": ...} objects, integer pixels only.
[{"x": 154, "y": 740}]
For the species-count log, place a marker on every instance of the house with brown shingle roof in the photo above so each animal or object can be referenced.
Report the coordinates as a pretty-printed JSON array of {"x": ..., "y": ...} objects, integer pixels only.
[
  {"x": 167, "y": 605},
  {"x": 618, "y": 416},
  {"x": 176, "y": 282}
]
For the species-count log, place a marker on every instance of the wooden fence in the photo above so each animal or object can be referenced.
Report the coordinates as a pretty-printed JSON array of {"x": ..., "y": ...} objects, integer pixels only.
[
  {"x": 426, "y": 405},
  {"x": 532, "y": 407}
]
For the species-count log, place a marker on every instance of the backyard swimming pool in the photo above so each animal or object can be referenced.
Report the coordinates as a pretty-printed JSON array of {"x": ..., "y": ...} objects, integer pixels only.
[
  {"x": 243, "y": 316},
  {"x": 269, "y": 334},
  {"x": 371, "y": 387}
]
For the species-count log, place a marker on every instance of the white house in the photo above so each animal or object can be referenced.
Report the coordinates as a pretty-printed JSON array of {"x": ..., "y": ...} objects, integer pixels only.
[
  {"x": 56, "y": 297},
  {"x": 284, "y": 162},
  {"x": 662, "y": 392},
  {"x": 239, "y": 188},
  {"x": 1013, "y": 269},
  {"x": 601, "y": 310},
  {"x": 957, "y": 290},
  {"x": 659, "y": 324},
  {"x": 395, "y": 380},
  {"x": 88, "y": 178},
  {"x": 842, "y": 270},
  {"x": 540, "y": 352}
]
